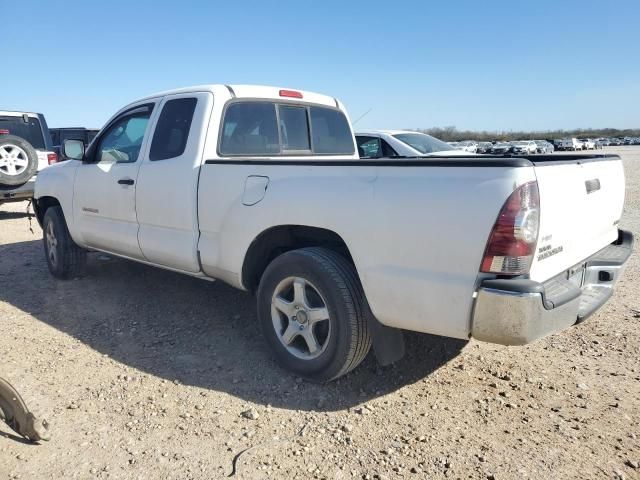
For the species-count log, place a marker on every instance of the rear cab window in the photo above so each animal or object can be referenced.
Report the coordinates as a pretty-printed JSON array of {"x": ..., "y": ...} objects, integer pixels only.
[
  {"x": 273, "y": 128},
  {"x": 30, "y": 130},
  {"x": 172, "y": 129}
]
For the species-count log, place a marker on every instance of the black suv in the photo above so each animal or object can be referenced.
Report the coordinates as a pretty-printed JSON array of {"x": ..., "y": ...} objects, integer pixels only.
[{"x": 59, "y": 135}]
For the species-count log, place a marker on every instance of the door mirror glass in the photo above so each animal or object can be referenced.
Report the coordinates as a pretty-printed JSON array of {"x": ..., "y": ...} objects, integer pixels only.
[{"x": 73, "y": 149}]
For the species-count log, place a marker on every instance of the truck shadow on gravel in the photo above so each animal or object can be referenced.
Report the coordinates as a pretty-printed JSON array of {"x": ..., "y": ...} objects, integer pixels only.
[
  {"x": 191, "y": 331},
  {"x": 12, "y": 215}
]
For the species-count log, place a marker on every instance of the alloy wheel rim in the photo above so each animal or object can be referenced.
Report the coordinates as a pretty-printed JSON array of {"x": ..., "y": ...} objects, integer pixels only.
[
  {"x": 52, "y": 244},
  {"x": 13, "y": 160},
  {"x": 300, "y": 318}
]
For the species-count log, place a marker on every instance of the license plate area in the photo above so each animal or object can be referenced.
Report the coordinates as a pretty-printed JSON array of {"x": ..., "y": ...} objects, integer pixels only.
[{"x": 575, "y": 275}]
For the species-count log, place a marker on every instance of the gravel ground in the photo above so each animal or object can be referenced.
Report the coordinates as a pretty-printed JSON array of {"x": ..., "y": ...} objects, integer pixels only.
[{"x": 143, "y": 373}]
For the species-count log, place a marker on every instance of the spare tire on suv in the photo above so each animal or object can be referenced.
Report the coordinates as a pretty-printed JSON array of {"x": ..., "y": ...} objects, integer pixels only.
[{"x": 18, "y": 160}]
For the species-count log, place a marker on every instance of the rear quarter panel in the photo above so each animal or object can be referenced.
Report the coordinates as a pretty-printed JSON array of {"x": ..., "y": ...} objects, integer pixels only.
[{"x": 416, "y": 234}]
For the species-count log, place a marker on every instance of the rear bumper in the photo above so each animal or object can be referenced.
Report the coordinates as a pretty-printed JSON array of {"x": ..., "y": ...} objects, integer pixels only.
[
  {"x": 516, "y": 311},
  {"x": 16, "y": 194}
]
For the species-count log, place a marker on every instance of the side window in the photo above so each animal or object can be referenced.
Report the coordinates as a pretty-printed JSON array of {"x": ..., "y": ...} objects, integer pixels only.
[
  {"x": 331, "y": 131},
  {"x": 387, "y": 150},
  {"x": 172, "y": 130},
  {"x": 369, "y": 146},
  {"x": 250, "y": 128},
  {"x": 122, "y": 141},
  {"x": 294, "y": 128}
]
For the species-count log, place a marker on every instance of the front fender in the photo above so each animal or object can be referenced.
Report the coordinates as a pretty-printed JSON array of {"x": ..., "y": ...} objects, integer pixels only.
[{"x": 54, "y": 185}]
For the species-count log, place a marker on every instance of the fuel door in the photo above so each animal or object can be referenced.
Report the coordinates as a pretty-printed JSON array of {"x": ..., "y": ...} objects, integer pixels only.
[{"x": 255, "y": 188}]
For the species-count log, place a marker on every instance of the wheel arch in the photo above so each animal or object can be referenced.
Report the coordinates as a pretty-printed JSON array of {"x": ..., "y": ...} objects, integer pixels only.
[
  {"x": 42, "y": 204},
  {"x": 279, "y": 239}
]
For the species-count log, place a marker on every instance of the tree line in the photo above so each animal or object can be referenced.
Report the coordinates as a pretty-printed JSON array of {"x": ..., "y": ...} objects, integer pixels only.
[{"x": 451, "y": 134}]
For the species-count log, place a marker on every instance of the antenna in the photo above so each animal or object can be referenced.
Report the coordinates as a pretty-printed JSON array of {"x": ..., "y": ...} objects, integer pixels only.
[{"x": 361, "y": 116}]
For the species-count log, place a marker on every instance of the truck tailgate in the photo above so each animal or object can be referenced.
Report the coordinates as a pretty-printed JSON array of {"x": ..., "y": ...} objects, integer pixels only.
[{"x": 581, "y": 201}]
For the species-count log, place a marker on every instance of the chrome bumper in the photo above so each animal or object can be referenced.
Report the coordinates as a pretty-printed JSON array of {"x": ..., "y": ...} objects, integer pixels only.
[{"x": 517, "y": 311}]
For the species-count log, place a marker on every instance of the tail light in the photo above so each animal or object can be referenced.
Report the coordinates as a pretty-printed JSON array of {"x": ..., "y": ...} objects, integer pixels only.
[
  {"x": 52, "y": 158},
  {"x": 514, "y": 236}
]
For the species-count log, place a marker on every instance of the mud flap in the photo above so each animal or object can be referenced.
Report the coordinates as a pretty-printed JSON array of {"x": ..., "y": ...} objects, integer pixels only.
[
  {"x": 14, "y": 412},
  {"x": 388, "y": 342}
]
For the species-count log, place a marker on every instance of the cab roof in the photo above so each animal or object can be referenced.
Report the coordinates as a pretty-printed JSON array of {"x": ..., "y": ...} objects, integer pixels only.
[{"x": 253, "y": 91}]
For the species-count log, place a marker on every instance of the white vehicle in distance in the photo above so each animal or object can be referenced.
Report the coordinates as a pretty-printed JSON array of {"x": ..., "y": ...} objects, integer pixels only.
[
  {"x": 544, "y": 147},
  {"x": 469, "y": 146},
  {"x": 401, "y": 143},
  {"x": 268, "y": 194},
  {"x": 524, "y": 147},
  {"x": 588, "y": 144},
  {"x": 569, "y": 144}
]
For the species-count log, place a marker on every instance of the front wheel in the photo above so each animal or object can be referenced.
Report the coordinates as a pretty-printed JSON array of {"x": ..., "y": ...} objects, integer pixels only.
[
  {"x": 65, "y": 259},
  {"x": 313, "y": 314}
]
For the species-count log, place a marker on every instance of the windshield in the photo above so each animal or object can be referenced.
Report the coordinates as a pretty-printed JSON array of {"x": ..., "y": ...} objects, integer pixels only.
[
  {"x": 521, "y": 144},
  {"x": 423, "y": 143},
  {"x": 30, "y": 130}
]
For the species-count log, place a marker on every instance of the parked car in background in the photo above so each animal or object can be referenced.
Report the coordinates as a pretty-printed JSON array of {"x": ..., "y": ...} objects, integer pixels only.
[
  {"x": 542, "y": 146},
  {"x": 403, "y": 143},
  {"x": 524, "y": 147},
  {"x": 484, "y": 147},
  {"x": 25, "y": 149},
  {"x": 587, "y": 144},
  {"x": 468, "y": 146},
  {"x": 569, "y": 144},
  {"x": 502, "y": 148},
  {"x": 59, "y": 135},
  {"x": 604, "y": 142},
  {"x": 268, "y": 194}
]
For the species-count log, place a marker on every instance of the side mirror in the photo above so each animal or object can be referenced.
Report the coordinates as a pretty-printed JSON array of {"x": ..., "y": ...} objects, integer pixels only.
[{"x": 73, "y": 149}]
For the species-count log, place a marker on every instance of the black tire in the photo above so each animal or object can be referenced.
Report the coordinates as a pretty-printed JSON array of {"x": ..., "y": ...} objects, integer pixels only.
[
  {"x": 14, "y": 149},
  {"x": 336, "y": 280},
  {"x": 65, "y": 259}
]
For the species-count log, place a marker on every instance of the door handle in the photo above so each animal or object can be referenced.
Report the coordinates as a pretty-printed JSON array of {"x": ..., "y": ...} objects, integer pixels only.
[{"x": 126, "y": 181}]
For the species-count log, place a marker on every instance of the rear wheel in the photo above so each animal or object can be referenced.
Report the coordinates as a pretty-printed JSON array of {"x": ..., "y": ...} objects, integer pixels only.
[
  {"x": 65, "y": 259},
  {"x": 313, "y": 313}
]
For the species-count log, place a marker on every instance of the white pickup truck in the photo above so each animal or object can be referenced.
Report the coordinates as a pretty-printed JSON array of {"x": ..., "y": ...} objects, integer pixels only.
[{"x": 263, "y": 188}]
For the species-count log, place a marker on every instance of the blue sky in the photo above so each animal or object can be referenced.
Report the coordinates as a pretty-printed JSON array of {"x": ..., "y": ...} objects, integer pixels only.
[{"x": 501, "y": 65}]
